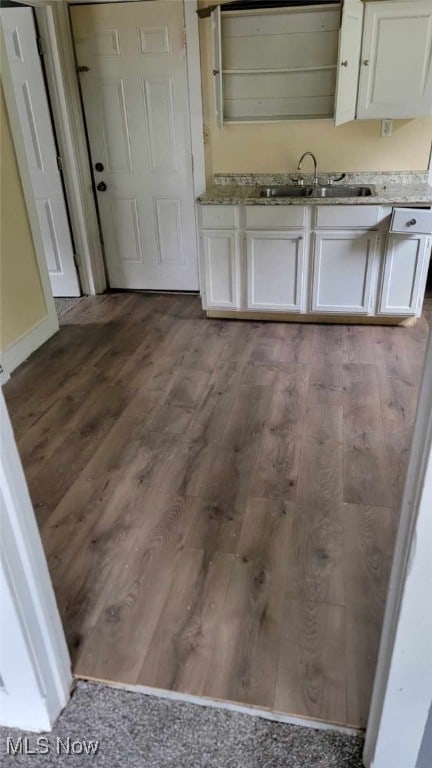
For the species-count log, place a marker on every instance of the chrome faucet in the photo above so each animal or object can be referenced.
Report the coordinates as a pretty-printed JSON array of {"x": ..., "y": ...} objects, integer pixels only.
[{"x": 315, "y": 177}]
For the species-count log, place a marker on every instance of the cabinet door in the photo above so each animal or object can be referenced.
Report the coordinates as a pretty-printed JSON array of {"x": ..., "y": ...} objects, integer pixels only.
[
  {"x": 217, "y": 63},
  {"x": 221, "y": 269},
  {"x": 350, "y": 37},
  {"x": 275, "y": 271},
  {"x": 343, "y": 265},
  {"x": 396, "y": 65},
  {"x": 404, "y": 265}
]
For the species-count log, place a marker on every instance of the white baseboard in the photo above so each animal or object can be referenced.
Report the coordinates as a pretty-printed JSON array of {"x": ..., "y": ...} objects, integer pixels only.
[{"x": 21, "y": 349}]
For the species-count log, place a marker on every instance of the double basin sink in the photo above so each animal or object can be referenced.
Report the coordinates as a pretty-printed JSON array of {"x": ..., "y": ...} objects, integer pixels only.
[{"x": 329, "y": 191}]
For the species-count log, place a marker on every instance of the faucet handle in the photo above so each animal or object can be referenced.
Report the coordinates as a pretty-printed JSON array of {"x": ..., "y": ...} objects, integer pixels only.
[
  {"x": 332, "y": 179},
  {"x": 299, "y": 181}
]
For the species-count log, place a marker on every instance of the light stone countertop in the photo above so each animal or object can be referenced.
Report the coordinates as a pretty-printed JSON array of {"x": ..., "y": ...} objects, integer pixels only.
[{"x": 405, "y": 188}]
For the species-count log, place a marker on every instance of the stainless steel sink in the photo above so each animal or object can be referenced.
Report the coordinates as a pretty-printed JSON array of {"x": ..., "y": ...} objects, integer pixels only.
[
  {"x": 330, "y": 191},
  {"x": 285, "y": 192},
  {"x": 342, "y": 191}
]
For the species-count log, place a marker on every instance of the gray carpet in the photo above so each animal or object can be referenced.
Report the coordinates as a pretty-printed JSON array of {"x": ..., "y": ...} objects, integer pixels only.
[
  {"x": 63, "y": 305},
  {"x": 141, "y": 731}
]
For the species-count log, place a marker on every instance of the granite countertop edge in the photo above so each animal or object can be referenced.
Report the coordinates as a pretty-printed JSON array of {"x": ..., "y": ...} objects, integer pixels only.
[
  {"x": 227, "y": 195},
  {"x": 404, "y": 188}
]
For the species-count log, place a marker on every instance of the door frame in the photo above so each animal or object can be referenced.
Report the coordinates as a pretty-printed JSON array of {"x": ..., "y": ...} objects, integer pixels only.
[
  {"x": 22, "y": 347},
  {"x": 54, "y": 22},
  {"x": 35, "y": 662}
]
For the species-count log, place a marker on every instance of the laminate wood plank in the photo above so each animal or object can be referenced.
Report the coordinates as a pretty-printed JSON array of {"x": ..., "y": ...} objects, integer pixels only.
[
  {"x": 398, "y": 438},
  {"x": 297, "y": 343},
  {"x": 311, "y": 678},
  {"x": 369, "y": 535},
  {"x": 240, "y": 342},
  {"x": 399, "y": 361},
  {"x": 326, "y": 368},
  {"x": 244, "y": 663},
  {"x": 180, "y": 651},
  {"x": 316, "y": 550},
  {"x": 223, "y": 472},
  {"x": 127, "y": 609},
  {"x": 73, "y": 449},
  {"x": 278, "y": 466},
  {"x": 366, "y": 460},
  {"x": 129, "y": 450},
  {"x": 181, "y": 402},
  {"x": 358, "y": 347}
]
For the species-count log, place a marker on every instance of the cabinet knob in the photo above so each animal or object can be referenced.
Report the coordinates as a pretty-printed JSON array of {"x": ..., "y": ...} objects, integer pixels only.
[
  {"x": 412, "y": 222},
  {"x": 215, "y": 72},
  {"x": 366, "y": 62},
  {"x": 102, "y": 187},
  {"x": 344, "y": 63}
]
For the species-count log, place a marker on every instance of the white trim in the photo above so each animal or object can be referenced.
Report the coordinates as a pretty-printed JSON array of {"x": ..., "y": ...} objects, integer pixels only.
[
  {"x": 37, "y": 676},
  {"x": 195, "y": 97},
  {"x": 54, "y": 26},
  {"x": 49, "y": 325},
  {"x": 403, "y": 682},
  {"x": 28, "y": 343}
]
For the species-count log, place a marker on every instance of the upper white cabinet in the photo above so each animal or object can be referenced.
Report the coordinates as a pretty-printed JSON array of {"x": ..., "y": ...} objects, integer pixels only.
[
  {"x": 396, "y": 60},
  {"x": 350, "y": 39},
  {"x": 287, "y": 63}
]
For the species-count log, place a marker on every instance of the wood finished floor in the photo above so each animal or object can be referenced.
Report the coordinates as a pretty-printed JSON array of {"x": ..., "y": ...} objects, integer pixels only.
[{"x": 218, "y": 500}]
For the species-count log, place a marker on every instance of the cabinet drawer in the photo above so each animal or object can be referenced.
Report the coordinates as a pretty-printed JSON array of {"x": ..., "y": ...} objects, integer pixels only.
[
  {"x": 349, "y": 216},
  {"x": 280, "y": 216},
  {"x": 214, "y": 216},
  {"x": 411, "y": 221}
]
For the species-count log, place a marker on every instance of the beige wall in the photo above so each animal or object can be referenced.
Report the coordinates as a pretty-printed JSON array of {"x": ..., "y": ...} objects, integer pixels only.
[
  {"x": 276, "y": 147},
  {"x": 22, "y": 303}
]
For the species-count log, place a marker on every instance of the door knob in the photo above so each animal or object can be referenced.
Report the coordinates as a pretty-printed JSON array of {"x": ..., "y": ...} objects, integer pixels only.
[
  {"x": 102, "y": 187},
  {"x": 99, "y": 167},
  {"x": 344, "y": 63}
]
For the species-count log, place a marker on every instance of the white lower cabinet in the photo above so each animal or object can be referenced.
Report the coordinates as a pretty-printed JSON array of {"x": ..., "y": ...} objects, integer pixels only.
[
  {"x": 275, "y": 271},
  {"x": 221, "y": 268},
  {"x": 343, "y": 266},
  {"x": 405, "y": 264},
  {"x": 326, "y": 260}
]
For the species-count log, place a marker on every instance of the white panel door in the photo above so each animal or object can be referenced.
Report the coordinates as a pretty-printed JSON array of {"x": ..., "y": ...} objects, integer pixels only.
[
  {"x": 32, "y": 103},
  {"x": 350, "y": 37},
  {"x": 221, "y": 269},
  {"x": 406, "y": 260},
  {"x": 136, "y": 107},
  {"x": 343, "y": 264},
  {"x": 396, "y": 62},
  {"x": 275, "y": 271}
]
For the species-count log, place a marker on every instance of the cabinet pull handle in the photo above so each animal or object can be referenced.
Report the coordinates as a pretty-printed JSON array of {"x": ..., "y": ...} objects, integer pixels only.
[
  {"x": 412, "y": 222},
  {"x": 344, "y": 63}
]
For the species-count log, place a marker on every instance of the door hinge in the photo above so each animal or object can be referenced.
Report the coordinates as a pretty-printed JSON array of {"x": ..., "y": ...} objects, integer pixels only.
[
  {"x": 185, "y": 37},
  {"x": 59, "y": 162},
  {"x": 192, "y": 163},
  {"x": 40, "y": 46},
  {"x": 83, "y": 69}
]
